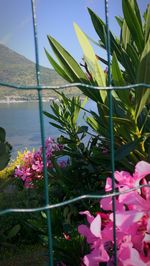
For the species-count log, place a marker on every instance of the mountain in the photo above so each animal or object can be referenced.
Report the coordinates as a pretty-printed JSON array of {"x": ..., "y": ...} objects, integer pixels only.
[{"x": 15, "y": 68}]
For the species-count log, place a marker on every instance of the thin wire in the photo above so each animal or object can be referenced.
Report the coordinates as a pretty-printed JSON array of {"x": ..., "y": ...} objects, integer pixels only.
[
  {"x": 70, "y": 85},
  {"x": 111, "y": 131},
  {"x": 50, "y": 248},
  {"x": 76, "y": 199}
]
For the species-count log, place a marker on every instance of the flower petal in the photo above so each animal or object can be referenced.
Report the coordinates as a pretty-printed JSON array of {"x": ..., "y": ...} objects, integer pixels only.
[
  {"x": 142, "y": 169},
  {"x": 95, "y": 226}
]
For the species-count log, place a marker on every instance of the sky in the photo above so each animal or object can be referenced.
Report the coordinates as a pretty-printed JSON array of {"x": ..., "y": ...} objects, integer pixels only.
[{"x": 55, "y": 18}]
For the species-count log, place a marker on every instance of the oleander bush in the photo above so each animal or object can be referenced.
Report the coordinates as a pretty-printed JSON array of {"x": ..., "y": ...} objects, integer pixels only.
[{"x": 130, "y": 61}]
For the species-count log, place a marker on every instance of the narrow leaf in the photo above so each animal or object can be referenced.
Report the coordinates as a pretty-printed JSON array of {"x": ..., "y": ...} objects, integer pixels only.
[
  {"x": 131, "y": 51},
  {"x": 51, "y": 116},
  {"x": 68, "y": 63},
  {"x": 116, "y": 72},
  {"x": 57, "y": 67},
  {"x": 14, "y": 231},
  {"x": 143, "y": 76},
  {"x": 100, "y": 28},
  {"x": 126, "y": 149},
  {"x": 2, "y": 135},
  {"x": 91, "y": 60},
  {"x": 137, "y": 11},
  {"x": 90, "y": 57},
  {"x": 147, "y": 23},
  {"x": 119, "y": 20},
  {"x": 57, "y": 126},
  {"x": 82, "y": 129},
  {"x": 119, "y": 80},
  {"x": 133, "y": 24},
  {"x": 126, "y": 36}
]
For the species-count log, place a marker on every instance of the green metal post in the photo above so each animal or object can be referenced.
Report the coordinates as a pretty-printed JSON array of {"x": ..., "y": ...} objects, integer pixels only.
[
  {"x": 50, "y": 248},
  {"x": 111, "y": 132}
]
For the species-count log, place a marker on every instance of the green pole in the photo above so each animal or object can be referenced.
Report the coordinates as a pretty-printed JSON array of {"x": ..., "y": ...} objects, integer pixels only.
[{"x": 50, "y": 248}]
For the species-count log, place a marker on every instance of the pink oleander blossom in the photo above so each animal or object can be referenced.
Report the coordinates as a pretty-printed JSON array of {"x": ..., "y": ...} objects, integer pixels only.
[
  {"x": 132, "y": 222},
  {"x": 32, "y": 166}
]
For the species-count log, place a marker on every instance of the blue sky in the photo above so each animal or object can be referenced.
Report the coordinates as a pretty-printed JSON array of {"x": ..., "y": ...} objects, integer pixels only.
[{"x": 55, "y": 17}]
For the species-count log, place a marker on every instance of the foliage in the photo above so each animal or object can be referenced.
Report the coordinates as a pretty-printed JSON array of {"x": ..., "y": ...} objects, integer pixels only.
[
  {"x": 7, "y": 174},
  {"x": 132, "y": 222},
  {"x": 24, "y": 254},
  {"x": 69, "y": 251},
  {"x": 16, "y": 229},
  {"x": 5, "y": 149},
  {"x": 9, "y": 170},
  {"x": 130, "y": 64},
  {"x": 81, "y": 148}
]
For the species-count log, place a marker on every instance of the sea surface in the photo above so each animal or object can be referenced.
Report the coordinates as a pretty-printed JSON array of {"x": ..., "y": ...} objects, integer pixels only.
[{"x": 22, "y": 125}]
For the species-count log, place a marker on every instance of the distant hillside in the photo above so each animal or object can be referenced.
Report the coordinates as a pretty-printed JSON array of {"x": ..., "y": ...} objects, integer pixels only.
[{"x": 15, "y": 68}]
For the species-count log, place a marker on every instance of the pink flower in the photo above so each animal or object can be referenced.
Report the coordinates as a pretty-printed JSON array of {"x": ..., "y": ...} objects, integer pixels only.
[
  {"x": 132, "y": 222},
  {"x": 32, "y": 165},
  {"x": 128, "y": 255},
  {"x": 94, "y": 237}
]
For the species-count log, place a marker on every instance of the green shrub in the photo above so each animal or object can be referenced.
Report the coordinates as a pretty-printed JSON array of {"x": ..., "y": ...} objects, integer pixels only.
[
  {"x": 5, "y": 149},
  {"x": 130, "y": 64}
]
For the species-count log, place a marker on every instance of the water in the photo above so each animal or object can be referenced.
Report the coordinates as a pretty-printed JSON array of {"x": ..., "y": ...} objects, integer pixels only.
[{"x": 21, "y": 122}]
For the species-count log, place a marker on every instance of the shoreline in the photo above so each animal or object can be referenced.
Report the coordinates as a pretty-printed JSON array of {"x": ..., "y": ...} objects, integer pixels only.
[
  {"x": 25, "y": 101},
  {"x": 9, "y": 101}
]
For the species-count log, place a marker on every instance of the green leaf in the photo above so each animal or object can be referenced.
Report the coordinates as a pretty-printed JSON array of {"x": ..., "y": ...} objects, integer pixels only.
[
  {"x": 122, "y": 121},
  {"x": 121, "y": 54},
  {"x": 137, "y": 11},
  {"x": 147, "y": 23},
  {"x": 5, "y": 149},
  {"x": 100, "y": 28},
  {"x": 58, "y": 69},
  {"x": 44, "y": 215},
  {"x": 102, "y": 60},
  {"x": 57, "y": 126},
  {"x": 127, "y": 64},
  {"x": 144, "y": 66},
  {"x": 143, "y": 76},
  {"x": 97, "y": 126},
  {"x": 82, "y": 129},
  {"x": 131, "y": 51},
  {"x": 2, "y": 135},
  {"x": 119, "y": 20},
  {"x": 91, "y": 60},
  {"x": 51, "y": 116},
  {"x": 145, "y": 94},
  {"x": 126, "y": 149},
  {"x": 126, "y": 36},
  {"x": 4, "y": 155},
  {"x": 68, "y": 63},
  {"x": 14, "y": 231},
  {"x": 119, "y": 80},
  {"x": 116, "y": 72},
  {"x": 84, "y": 102},
  {"x": 133, "y": 23}
]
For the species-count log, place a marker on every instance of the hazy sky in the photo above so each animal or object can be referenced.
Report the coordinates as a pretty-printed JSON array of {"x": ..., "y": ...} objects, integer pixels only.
[{"x": 55, "y": 17}]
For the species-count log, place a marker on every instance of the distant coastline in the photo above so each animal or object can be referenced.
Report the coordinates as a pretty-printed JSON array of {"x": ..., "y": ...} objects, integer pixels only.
[
  {"x": 19, "y": 99},
  {"x": 9, "y": 100}
]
